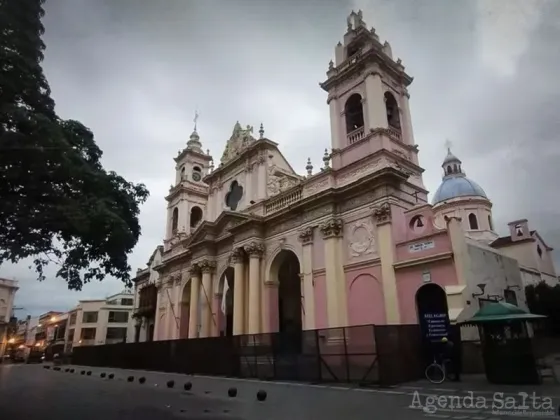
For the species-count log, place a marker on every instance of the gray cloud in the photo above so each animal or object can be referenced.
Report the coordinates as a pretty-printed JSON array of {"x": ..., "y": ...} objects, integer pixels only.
[{"x": 134, "y": 72}]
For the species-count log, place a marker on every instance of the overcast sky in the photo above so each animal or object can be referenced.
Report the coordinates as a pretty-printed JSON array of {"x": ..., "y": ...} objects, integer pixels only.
[{"x": 135, "y": 70}]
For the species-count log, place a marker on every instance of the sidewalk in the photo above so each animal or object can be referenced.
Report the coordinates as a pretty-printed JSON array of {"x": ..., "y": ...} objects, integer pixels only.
[{"x": 479, "y": 384}]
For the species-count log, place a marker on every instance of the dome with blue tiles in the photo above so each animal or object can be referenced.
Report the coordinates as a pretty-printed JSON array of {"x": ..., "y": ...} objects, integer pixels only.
[{"x": 455, "y": 182}]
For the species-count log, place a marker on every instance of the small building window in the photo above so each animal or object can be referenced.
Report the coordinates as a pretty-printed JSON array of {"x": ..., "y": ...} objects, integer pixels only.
[
  {"x": 490, "y": 224},
  {"x": 118, "y": 316},
  {"x": 539, "y": 251},
  {"x": 182, "y": 173},
  {"x": 127, "y": 302},
  {"x": 510, "y": 297},
  {"x": 89, "y": 317},
  {"x": 473, "y": 222},
  {"x": 87, "y": 333},
  {"x": 175, "y": 220},
  {"x": 354, "y": 113},
  {"x": 116, "y": 333}
]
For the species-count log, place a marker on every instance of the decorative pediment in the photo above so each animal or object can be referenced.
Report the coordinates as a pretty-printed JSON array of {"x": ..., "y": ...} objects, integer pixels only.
[{"x": 210, "y": 230}]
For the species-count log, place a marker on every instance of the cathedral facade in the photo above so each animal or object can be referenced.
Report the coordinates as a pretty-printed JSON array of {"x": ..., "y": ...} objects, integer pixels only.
[{"x": 253, "y": 247}]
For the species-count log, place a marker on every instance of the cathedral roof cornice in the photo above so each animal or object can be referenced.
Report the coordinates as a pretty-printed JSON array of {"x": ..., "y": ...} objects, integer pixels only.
[{"x": 357, "y": 62}]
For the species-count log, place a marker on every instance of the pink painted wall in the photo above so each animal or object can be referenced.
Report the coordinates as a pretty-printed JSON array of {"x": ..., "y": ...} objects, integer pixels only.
[
  {"x": 320, "y": 290},
  {"x": 409, "y": 281},
  {"x": 365, "y": 296}
]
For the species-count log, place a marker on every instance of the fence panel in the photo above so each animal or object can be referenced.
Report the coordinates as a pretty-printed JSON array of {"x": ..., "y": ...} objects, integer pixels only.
[{"x": 361, "y": 354}]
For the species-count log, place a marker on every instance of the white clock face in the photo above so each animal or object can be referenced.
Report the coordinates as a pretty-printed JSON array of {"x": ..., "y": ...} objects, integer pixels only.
[{"x": 196, "y": 176}]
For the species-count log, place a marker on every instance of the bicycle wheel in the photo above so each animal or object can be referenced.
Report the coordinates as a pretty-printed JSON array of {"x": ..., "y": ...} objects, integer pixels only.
[{"x": 435, "y": 373}]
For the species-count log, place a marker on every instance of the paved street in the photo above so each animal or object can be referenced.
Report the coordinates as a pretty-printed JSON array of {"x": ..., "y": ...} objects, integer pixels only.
[{"x": 31, "y": 392}]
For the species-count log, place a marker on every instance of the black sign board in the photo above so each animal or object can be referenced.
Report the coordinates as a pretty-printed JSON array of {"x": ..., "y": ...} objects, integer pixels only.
[{"x": 434, "y": 326}]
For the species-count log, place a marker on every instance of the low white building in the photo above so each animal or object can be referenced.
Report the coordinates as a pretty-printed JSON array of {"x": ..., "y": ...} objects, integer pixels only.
[
  {"x": 8, "y": 289},
  {"x": 104, "y": 321}
]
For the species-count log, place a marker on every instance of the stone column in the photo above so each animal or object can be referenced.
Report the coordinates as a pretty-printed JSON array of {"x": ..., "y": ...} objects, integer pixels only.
[
  {"x": 334, "y": 274},
  {"x": 217, "y": 314},
  {"x": 207, "y": 267},
  {"x": 167, "y": 292},
  {"x": 195, "y": 294},
  {"x": 337, "y": 141},
  {"x": 255, "y": 251},
  {"x": 157, "y": 324},
  {"x": 382, "y": 215},
  {"x": 376, "y": 116},
  {"x": 406, "y": 120},
  {"x": 306, "y": 238},
  {"x": 238, "y": 291},
  {"x": 176, "y": 313}
]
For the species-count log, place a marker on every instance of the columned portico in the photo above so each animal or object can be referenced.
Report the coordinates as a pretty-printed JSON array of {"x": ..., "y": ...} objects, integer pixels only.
[
  {"x": 207, "y": 268},
  {"x": 255, "y": 250},
  {"x": 195, "y": 295},
  {"x": 306, "y": 238},
  {"x": 238, "y": 258},
  {"x": 334, "y": 273}
]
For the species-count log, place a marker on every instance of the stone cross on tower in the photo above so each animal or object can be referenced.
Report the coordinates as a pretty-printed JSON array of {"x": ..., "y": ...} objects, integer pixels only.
[
  {"x": 448, "y": 145},
  {"x": 195, "y": 120}
]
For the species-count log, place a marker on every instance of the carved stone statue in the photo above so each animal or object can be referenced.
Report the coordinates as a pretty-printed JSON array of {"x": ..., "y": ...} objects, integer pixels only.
[{"x": 239, "y": 140}]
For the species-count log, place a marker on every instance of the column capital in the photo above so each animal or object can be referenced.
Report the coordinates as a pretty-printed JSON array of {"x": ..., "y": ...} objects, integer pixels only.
[
  {"x": 382, "y": 213},
  {"x": 237, "y": 255},
  {"x": 305, "y": 235},
  {"x": 254, "y": 249},
  {"x": 207, "y": 266},
  {"x": 194, "y": 270},
  {"x": 331, "y": 228}
]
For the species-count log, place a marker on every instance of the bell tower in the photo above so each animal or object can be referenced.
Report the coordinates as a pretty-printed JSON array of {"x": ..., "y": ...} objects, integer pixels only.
[
  {"x": 187, "y": 200},
  {"x": 367, "y": 97}
]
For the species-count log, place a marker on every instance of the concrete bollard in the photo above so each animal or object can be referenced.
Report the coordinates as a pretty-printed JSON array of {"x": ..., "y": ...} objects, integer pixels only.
[
  {"x": 130, "y": 379},
  {"x": 88, "y": 373},
  {"x": 232, "y": 392},
  {"x": 261, "y": 395},
  {"x": 111, "y": 376},
  {"x": 170, "y": 384},
  {"x": 187, "y": 386},
  {"x": 142, "y": 380},
  {"x": 102, "y": 374}
]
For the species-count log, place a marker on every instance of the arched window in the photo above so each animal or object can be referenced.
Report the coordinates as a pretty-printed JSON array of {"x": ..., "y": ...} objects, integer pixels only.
[
  {"x": 196, "y": 216},
  {"x": 182, "y": 173},
  {"x": 473, "y": 222},
  {"x": 490, "y": 224},
  {"x": 539, "y": 251},
  {"x": 354, "y": 113},
  {"x": 449, "y": 170},
  {"x": 175, "y": 220},
  {"x": 393, "y": 117}
]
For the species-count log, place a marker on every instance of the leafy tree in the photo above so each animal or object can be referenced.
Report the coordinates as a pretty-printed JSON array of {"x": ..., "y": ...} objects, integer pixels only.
[
  {"x": 544, "y": 299},
  {"x": 57, "y": 203}
]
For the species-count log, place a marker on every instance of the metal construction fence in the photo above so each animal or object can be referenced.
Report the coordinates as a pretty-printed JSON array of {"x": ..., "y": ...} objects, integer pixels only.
[{"x": 368, "y": 354}]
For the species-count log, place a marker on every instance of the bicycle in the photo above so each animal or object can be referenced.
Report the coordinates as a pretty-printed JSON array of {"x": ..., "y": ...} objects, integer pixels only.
[{"x": 436, "y": 372}]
